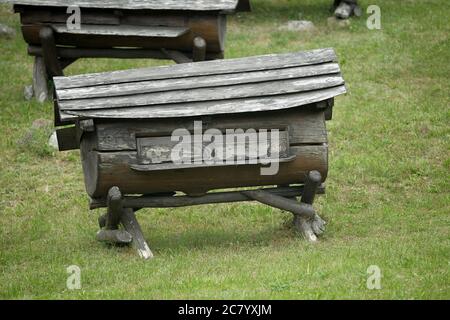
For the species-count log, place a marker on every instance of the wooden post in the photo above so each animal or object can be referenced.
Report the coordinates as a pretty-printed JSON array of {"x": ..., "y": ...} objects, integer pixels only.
[
  {"x": 40, "y": 80},
  {"x": 117, "y": 214},
  {"x": 199, "y": 51},
  {"x": 115, "y": 208},
  {"x": 312, "y": 184},
  {"x": 132, "y": 226},
  {"x": 49, "y": 52},
  {"x": 111, "y": 232},
  {"x": 310, "y": 227}
]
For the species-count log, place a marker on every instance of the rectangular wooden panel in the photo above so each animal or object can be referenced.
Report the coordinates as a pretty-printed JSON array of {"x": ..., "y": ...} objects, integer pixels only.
[
  {"x": 306, "y": 126},
  {"x": 123, "y": 30},
  {"x": 227, "y": 147}
]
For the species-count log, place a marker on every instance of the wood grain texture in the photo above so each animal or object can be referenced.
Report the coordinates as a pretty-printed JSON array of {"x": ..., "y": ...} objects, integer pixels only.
[
  {"x": 113, "y": 169},
  {"x": 190, "y": 109},
  {"x": 123, "y": 30},
  {"x": 210, "y": 25},
  {"x": 266, "y": 62},
  {"x": 194, "y": 5},
  {"x": 268, "y": 88},
  {"x": 207, "y": 81},
  {"x": 306, "y": 126}
]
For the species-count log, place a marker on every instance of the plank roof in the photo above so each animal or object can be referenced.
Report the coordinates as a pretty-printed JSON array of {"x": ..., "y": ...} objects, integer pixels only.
[
  {"x": 261, "y": 83},
  {"x": 191, "y": 5}
]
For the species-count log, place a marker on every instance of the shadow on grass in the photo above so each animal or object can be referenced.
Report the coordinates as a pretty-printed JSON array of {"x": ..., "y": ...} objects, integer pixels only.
[{"x": 196, "y": 238}]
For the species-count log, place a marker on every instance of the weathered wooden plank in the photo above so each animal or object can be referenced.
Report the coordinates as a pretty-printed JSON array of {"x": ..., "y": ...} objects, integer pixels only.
[
  {"x": 194, "y": 5},
  {"x": 196, "y": 82},
  {"x": 123, "y": 30},
  {"x": 306, "y": 126},
  {"x": 40, "y": 15},
  {"x": 267, "y": 62},
  {"x": 113, "y": 169},
  {"x": 269, "y": 88},
  {"x": 238, "y": 146},
  {"x": 210, "y": 107}
]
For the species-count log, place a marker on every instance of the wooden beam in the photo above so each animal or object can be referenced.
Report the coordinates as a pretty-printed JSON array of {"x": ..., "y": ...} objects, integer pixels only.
[
  {"x": 137, "y": 202},
  {"x": 49, "y": 52}
]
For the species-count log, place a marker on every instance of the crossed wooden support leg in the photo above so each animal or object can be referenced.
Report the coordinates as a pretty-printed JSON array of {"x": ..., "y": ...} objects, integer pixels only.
[
  {"x": 121, "y": 210},
  {"x": 131, "y": 232},
  {"x": 306, "y": 220}
]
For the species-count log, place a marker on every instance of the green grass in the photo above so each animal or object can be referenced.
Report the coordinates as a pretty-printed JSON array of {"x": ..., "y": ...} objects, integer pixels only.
[{"x": 387, "y": 202}]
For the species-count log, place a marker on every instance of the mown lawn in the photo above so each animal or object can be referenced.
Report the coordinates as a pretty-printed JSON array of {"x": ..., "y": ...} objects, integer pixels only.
[{"x": 387, "y": 202}]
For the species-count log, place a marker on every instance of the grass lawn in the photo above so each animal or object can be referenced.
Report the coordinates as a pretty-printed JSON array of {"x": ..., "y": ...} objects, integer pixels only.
[{"x": 388, "y": 192}]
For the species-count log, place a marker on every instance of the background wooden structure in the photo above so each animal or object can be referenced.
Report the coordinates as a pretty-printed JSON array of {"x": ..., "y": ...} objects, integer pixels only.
[{"x": 181, "y": 30}]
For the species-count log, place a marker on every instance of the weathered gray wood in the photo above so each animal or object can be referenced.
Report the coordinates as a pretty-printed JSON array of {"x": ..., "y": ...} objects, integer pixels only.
[
  {"x": 137, "y": 202},
  {"x": 310, "y": 227},
  {"x": 190, "y": 109},
  {"x": 298, "y": 208},
  {"x": 150, "y": 86},
  {"x": 199, "y": 52},
  {"x": 38, "y": 15},
  {"x": 269, "y": 88},
  {"x": 131, "y": 225},
  {"x": 87, "y": 125},
  {"x": 40, "y": 80},
  {"x": 192, "y": 5},
  {"x": 266, "y": 62},
  {"x": 123, "y": 30},
  {"x": 306, "y": 126},
  {"x": 114, "y": 236},
  {"x": 154, "y": 153}
]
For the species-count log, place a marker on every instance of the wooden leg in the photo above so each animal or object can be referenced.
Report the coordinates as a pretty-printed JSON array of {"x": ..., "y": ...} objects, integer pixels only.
[
  {"x": 199, "y": 51},
  {"x": 40, "y": 80},
  {"x": 131, "y": 225},
  {"x": 116, "y": 214},
  {"x": 111, "y": 232},
  {"x": 312, "y": 226},
  {"x": 49, "y": 52}
]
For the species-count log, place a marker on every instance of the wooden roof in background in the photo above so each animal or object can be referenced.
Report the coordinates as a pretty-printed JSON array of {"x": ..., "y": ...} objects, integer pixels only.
[
  {"x": 192, "y": 5},
  {"x": 262, "y": 83}
]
